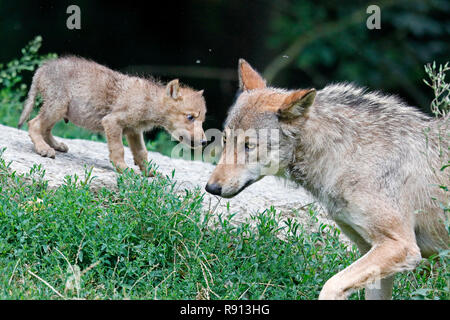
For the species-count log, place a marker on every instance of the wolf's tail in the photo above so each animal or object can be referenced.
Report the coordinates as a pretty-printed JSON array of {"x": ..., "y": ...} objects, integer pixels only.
[{"x": 29, "y": 103}]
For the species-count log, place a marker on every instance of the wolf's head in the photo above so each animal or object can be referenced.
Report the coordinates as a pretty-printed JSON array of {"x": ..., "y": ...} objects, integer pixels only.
[
  {"x": 186, "y": 111},
  {"x": 258, "y": 139}
]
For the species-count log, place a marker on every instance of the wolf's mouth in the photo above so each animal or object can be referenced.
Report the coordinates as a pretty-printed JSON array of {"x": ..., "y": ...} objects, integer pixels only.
[{"x": 249, "y": 182}]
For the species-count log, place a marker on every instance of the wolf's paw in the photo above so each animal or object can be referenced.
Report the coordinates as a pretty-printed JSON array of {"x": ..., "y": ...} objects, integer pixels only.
[
  {"x": 46, "y": 152},
  {"x": 332, "y": 291}
]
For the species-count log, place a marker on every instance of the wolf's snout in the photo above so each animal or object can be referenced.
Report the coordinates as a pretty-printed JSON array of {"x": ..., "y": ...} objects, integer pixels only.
[{"x": 214, "y": 188}]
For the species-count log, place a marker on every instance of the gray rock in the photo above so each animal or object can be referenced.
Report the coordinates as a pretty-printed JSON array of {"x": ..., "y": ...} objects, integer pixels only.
[{"x": 283, "y": 196}]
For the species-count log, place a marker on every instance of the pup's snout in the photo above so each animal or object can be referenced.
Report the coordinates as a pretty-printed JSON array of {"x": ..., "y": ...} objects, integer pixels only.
[
  {"x": 214, "y": 188},
  {"x": 204, "y": 142}
]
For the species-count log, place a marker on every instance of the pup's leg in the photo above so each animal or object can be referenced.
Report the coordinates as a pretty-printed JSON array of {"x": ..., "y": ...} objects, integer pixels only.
[
  {"x": 51, "y": 118},
  {"x": 113, "y": 132},
  {"x": 36, "y": 129},
  {"x": 39, "y": 129},
  {"x": 393, "y": 250},
  {"x": 57, "y": 145},
  {"x": 137, "y": 145}
]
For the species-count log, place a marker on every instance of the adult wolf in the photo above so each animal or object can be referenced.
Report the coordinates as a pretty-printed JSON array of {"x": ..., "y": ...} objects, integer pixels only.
[{"x": 373, "y": 161}]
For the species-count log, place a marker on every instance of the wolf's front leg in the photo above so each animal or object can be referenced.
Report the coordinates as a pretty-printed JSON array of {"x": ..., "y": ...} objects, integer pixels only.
[
  {"x": 137, "y": 145},
  {"x": 394, "y": 250},
  {"x": 382, "y": 290},
  {"x": 113, "y": 132}
]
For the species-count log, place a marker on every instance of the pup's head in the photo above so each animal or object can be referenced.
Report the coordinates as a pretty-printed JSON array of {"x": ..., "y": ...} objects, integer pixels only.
[
  {"x": 257, "y": 136},
  {"x": 186, "y": 111}
]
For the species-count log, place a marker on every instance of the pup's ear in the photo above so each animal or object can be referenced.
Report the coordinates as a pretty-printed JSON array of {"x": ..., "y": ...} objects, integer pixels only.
[
  {"x": 296, "y": 103},
  {"x": 200, "y": 92},
  {"x": 173, "y": 88},
  {"x": 249, "y": 79}
]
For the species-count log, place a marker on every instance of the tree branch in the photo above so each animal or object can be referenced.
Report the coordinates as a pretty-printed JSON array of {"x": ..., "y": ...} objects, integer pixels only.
[{"x": 288, "y": 56}]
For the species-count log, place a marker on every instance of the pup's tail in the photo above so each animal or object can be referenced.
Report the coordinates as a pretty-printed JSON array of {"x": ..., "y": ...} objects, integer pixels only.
[{"x": 29, "y": 103}]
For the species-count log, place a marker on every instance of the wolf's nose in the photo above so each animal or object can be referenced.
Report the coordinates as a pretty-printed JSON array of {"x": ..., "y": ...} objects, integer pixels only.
[
  {"x": 214, "y": 188},
  {"x": 204, "y": 142}
]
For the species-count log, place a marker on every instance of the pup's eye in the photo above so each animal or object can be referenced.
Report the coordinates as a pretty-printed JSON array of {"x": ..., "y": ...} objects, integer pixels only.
[
  {"x": 190, "y": 117},
  {"x": 224, "y": 140}
]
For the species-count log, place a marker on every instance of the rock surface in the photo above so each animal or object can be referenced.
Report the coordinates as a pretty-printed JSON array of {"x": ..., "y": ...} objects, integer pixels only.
[{"x": 267, "y": 192}]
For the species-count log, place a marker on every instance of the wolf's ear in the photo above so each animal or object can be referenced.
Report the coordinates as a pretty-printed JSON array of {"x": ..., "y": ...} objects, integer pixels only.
[
  {"x": 296, "y": 103},
  {"x": 200, "y": 92},
  {"x": 249, "y": 79},
  {"x": 173, "y": 88}
]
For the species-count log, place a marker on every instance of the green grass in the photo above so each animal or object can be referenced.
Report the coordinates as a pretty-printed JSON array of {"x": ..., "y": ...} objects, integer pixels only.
[{"x": 144, "y": 242}]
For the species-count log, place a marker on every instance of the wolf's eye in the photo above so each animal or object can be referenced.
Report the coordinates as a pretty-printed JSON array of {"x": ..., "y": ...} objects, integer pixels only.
[
  {"x": 249, "y": 146},
  {"x": 190, "y": 117}
]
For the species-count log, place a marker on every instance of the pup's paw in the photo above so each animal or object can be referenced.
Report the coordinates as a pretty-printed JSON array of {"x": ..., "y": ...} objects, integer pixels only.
[
  {"x": 153, "y": 173},
  {"x": 120, "y": 166},
  {"x": 148, "y": 173},
  {"x": 61, "y": 147},
  {"x": 46, "y": 152}
]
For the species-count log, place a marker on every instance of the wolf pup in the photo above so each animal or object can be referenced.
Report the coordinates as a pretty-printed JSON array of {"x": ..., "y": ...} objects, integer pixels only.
[
  {"x": 373, "y": 161},
  {"x": 102, "y": 100}
]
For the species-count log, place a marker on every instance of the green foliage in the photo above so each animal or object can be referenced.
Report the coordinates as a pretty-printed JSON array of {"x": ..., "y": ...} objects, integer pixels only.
[
  {"x": 150, "y": 239},
  {"x": 441, "y": 102},
  {"x": 163, "y": 143},
  {"x": 337, "y": 46},
  {"x": 12, "y": 88},
  {"x": 440, "y": 107},
  {"x": 430, "y": 280}
]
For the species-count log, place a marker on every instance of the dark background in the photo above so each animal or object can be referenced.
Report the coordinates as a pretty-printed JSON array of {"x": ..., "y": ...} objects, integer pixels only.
[{"x": 200, "y": 41}]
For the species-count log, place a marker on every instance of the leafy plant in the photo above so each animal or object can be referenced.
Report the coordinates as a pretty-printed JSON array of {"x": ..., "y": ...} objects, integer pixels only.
[
  {"x": 150, "y": 239},
  {"x": 316, "y": 38},
  {"x": 12, "y": 88},
  {"x": 441, "y": 102}
]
